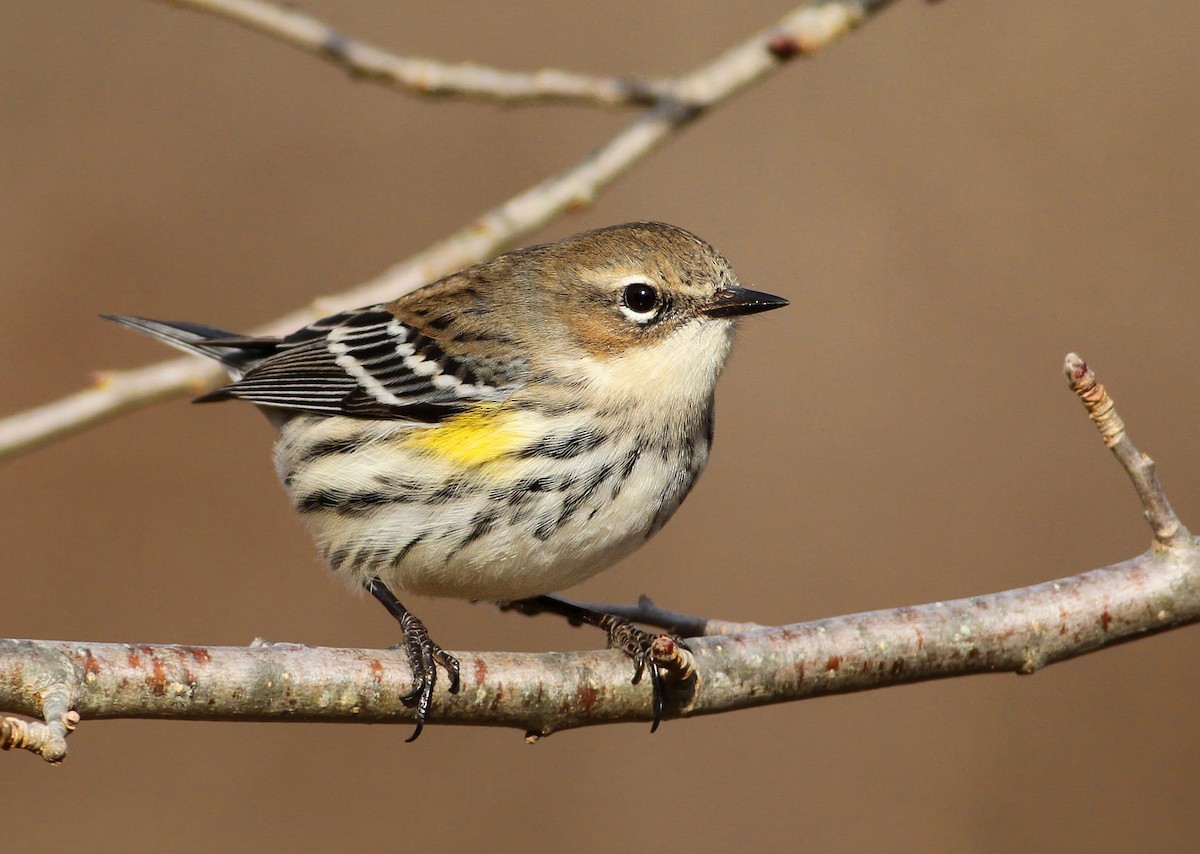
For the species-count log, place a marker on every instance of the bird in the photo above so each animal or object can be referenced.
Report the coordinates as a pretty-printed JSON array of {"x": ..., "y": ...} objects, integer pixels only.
[{"x": 503, "y": 433}]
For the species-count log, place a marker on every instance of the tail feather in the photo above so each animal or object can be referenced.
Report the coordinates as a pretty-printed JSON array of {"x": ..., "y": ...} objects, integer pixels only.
[{"x": 235, "y": 352}]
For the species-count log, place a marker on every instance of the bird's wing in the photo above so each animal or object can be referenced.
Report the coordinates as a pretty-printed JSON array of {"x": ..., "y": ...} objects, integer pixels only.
[{"x": 369, "y": 364}]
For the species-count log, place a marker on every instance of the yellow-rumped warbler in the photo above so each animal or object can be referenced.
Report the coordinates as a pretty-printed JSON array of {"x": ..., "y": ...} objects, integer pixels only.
[{"x": 502, "y": 433}]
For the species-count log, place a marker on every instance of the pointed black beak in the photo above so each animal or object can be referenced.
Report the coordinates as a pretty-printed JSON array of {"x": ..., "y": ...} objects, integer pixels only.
[{"x": 733, "y": 302}]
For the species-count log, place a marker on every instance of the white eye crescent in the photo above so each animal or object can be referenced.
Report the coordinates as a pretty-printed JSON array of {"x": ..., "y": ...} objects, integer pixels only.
[{"x": 641, "y": 301}]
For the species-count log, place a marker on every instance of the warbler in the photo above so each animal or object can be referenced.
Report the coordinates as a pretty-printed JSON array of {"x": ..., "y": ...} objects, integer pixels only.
[{"x": 503, "y": 433}]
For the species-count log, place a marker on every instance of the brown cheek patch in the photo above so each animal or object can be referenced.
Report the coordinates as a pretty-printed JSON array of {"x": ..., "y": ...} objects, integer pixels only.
[
  {"x": 603, "y": 336},
  {"x": 609, "y": 335}
]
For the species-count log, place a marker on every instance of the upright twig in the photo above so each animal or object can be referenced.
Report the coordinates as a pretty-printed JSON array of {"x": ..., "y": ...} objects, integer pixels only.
[{"x": 1103, "y": 411}]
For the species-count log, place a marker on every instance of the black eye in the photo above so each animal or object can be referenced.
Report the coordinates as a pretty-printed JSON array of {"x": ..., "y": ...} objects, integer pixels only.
[{"x": 640, "y": 299}]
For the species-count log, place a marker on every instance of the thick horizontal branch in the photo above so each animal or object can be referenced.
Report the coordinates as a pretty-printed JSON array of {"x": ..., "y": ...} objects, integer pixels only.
[
  {"x": 1016, "y": 631},
  {"x": 802, "y": 31}
]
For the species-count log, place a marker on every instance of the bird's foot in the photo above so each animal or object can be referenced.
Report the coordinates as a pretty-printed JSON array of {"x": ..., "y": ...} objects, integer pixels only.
[
  {"x": 666, "y": 657},
  {"x": 657, "y": 654},
  {"x": 424, "y": 656}
]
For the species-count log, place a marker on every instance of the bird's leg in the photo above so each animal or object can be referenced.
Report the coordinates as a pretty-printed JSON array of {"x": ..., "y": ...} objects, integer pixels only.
[
  {"x": 622, "y": 634},
  {"x": 423, "y": 655}
]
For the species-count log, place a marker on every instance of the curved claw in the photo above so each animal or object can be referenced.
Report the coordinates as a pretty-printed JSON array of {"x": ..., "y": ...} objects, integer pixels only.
[
  {"x": 657, "y": 700},
  {"x": 416, "y": 731},
  {"x": 451, "y": 666},
  {"x": 639, "y": 667}
]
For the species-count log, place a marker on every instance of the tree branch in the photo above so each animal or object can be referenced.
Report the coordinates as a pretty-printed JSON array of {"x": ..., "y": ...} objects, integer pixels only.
[
  {"x": 803, "y": 31},
  {"x": 1018, "y": 630},
  {"x": 1101, "y": 408},
  {"x": 426, "y": 76}
]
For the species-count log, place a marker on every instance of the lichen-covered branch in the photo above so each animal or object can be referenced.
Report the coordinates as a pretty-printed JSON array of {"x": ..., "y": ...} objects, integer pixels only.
[
  {"x": 802, "y": 31},
  {"x": 1016, "y": 631}
]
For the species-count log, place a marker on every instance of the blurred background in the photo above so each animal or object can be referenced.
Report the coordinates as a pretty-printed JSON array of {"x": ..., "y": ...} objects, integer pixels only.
[{"x": 953, "y": 198}]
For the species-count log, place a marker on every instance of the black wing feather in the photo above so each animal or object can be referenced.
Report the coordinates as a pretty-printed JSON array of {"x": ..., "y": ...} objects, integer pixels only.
[{"x": 364, "y": 364}]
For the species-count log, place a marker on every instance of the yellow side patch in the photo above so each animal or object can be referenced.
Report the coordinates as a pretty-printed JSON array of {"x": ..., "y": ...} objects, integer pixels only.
[{"x": 483, "y": 435}]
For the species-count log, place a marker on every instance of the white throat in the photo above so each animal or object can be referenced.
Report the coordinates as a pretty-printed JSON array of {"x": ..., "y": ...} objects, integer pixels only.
[{"x": 678, "y": 372}]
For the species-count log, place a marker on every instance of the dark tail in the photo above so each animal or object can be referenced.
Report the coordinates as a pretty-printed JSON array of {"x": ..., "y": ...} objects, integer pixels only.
[{"x": 235, "y": 352}]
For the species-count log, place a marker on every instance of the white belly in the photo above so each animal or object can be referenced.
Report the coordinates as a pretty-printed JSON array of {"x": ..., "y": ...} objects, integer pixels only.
[{"x": 506, "y": 531}]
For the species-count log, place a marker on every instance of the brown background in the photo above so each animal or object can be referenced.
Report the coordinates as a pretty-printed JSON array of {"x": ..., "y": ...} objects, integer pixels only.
[{"x": 953, "y": 198}]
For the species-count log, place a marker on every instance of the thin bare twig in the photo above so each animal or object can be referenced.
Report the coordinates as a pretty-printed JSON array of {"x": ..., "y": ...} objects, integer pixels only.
[
  {"x": 803, "y": 31},
  {"x": 426, "y": 76},
  {"x": 1101, "y": 408}
]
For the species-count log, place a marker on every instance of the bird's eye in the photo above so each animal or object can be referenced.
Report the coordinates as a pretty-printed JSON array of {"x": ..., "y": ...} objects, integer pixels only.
[{"x": 640, "y": 302}]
